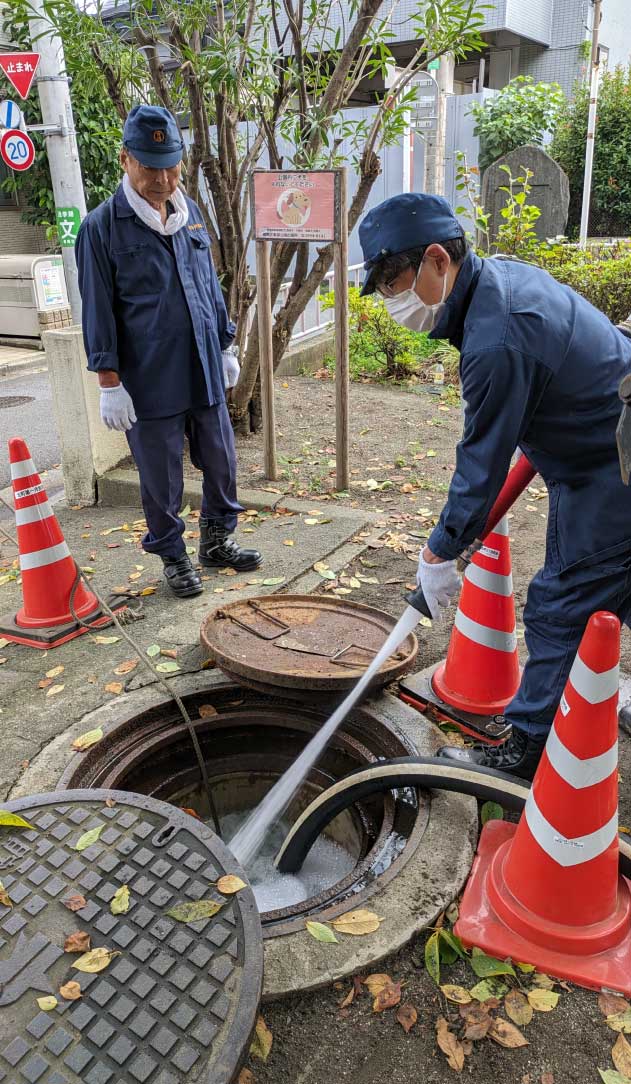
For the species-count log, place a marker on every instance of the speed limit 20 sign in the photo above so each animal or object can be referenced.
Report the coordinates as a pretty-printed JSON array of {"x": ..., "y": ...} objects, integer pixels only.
[{"x": 17, "y": 149}]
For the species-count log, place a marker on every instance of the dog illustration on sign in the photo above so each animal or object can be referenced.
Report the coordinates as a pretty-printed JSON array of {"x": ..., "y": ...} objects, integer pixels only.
[{"x": 294, "y": 207}]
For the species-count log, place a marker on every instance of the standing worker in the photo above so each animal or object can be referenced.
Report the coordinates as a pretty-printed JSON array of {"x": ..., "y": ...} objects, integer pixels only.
[
  {"x": 157, "y": 333},
  {"x": 540, "y": 370}
]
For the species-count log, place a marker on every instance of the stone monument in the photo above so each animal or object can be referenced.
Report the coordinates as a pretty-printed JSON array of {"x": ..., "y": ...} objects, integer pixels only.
[{"x": 550, "y": 189}]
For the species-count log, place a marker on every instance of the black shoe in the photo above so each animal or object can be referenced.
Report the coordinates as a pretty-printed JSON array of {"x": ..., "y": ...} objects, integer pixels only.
[
  {"x": 518, "y": 755},
  {"x": 181, "y": 577},
  {"x": 624, "y": 718},
  {"x": 218, "y": 550}
]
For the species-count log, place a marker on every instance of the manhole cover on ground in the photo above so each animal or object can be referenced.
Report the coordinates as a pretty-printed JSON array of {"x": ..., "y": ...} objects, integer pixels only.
[
  {"x": 7, "y": 401},
  {"x": 178, "y": 1003}
]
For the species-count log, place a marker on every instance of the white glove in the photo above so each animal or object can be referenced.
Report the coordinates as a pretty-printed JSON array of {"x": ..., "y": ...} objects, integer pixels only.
[
  {"x": 231, "y": 367},
  {"x": 117, "y": 409},
  {"x": 439, "y": 583}
]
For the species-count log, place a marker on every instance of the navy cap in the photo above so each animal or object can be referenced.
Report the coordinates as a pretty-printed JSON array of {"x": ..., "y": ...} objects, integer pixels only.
[
  {"x": 411, "y": 220},
  {"x": 153, "y": 137}
]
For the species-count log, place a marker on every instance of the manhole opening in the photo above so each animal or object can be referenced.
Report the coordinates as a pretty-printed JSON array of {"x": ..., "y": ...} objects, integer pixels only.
[{"x": 7, "y": 401}]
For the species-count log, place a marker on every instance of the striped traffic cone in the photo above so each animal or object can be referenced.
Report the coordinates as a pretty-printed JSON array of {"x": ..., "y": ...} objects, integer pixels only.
[
  {"x": 480, "y": 675},
  {"x": 47, "y": 568},
  {"x": 548, "y": 891}
]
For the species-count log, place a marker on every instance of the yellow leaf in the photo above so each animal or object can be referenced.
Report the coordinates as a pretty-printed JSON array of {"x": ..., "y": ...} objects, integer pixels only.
[
  {"x": 195, "y": 911},
  {"x": 47, "y": 1003},
  {"x": 95, "y": 960},
  {"x": 620, "y": 1022},
  {"x": 126, "y": 667},
  {"x": 88, "y": 838},
  {"x": 310, "y": 522},
  {"x": 262, "y": 1041},
  {"x": 621, "y": 1056},
  {"x": 84, "y": 741},
  {"x": 5, "y": 899},
  {"x": 543, "y": 1000},
  {"x": 106, "y": 639},
  {"x": 506, "y": 1034},
  {"x": 148, "y": 591},
  {"x": 120, "y": 901},
  {"x": 358, "y": 923},
  {"x": 544, "y": 981},
  {"x": 377, "y": 982},
  {"x": 55, "y": 672},
  {"x": 288, "y": 542},
  {"x": 54, "y": 689},
  {"x": 230, "y": 884},
  {"x": 518, "y": 1008},
  {"x": 12, "y": 820},
  {"x": 320, "y": 932},
  {"x": 457, "y": 994},
  {"x": 70, "y": 991}
]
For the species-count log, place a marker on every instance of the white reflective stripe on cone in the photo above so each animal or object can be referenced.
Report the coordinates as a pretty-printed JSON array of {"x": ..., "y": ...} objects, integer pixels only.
[
  {"x": 568, "y": 852},
  {"x": 23, "y": 468},
  {"x": 502, "y": 527},
  {"x": 43, "y": 557},
  {"x": 593, "y": 687},
  {"x": 33, "y": 514},
  {"x": 480, "y": 634},
  {"x": 580, "y": 773},
  {"x": 490, "y": 581}
]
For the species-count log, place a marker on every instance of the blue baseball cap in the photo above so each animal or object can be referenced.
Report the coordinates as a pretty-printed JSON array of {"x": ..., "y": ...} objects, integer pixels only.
[
  {"x": 152, "y": 135},
  {"x": 411, "y": 220}
]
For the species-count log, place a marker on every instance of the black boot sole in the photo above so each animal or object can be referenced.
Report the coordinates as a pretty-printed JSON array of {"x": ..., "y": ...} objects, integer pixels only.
[
  {"x": 189, "y": 592},
  {"x": 207, "y": 562}
]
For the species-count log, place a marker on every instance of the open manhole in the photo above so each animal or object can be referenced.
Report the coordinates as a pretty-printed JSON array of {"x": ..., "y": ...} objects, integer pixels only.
[
  {"x": 7, "y": 401},
  {"x": 248, "y": 740}
]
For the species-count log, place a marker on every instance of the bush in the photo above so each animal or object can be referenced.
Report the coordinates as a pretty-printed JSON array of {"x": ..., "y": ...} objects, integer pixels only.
[
  {"x": 521, "y": 113},
  {"x": 602, "y": 275},
  {"x": 611, "y": 187},
  {"x": 380, "y": 349}
]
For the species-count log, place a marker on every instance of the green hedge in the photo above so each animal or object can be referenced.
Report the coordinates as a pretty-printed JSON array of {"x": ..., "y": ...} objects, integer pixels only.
[{"x": 603, "y": 276}]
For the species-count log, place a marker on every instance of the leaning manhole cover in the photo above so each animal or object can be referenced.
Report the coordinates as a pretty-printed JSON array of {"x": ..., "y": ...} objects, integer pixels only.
[
  {"x": 7, "y": 401},
  {"x": 179, "y": 1000}
]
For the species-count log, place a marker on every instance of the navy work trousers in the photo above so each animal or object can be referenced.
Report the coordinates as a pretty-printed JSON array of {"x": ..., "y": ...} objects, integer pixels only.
[
  {"x": 157, "y": 445},
  {"x": 557, "y": 610}
]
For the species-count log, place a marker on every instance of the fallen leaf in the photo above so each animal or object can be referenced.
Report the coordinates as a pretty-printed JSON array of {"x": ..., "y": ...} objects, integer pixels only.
[
  {"x": 191, "y": 812},
  {"x": 450, "y": 1045},
  {"x": 110, "y": 803},
  {"x": 358, "y": 923},
  {"x": 518, "y": 1008},
  {"x": 612, "y": 1076},
  {"x": 612, "y": 1004},
  {"x": 245, "y": 1077},
  {"x": 55, "y": 672},
  {"x": 71, "y": 991},
  {"x": 526, "y": 968},
  {"x": 168, "y": 667},
  {"x": 47, "y": 1003},
  {"x": 477, "y": 1021},
  {"x": 262, "y": 1041},
  {"x": 543, "y": 1000},
  {"x": 432, "y": 957},
  {"x": 4, "y": 643},
  {"x": 169, "y": 652},
  {"x": 126, "y": 667},
  {"x": 506, "y": 1034},
  {"x": 55, "y": 689},
  {"x": 5, "y": 899},
  {"x": 547, "y": 1078},
  {"x": 388, "y": 997},
  {"x": 195, "y": 911},
  {"x": 148, "y": 591},
  {"x": 84, "y": 741},
  {"x": 320, "y": 932},
  {"x": 207, "y": 711},
  {"x": 487, "y": 967},
  {"x": 491, "y": 811},
  {"x": 620, "y": 1022},
  {"x": 79, "y": 941},
  {"x": 119, "y": 904},
  {"x": 133, "y": 576},
  {"x": 274, "y": 581},
  {"x": 348, "y": 1000},
  {"x": 487, "y": 988},
  {"x": 288, "y": 542},
  {"x": 95, "y": 960},
  {"x": 457, "y": 994},
  {"x": 544, "y": 981},
  {"x": 75, "y": 903},
  {"x": 12, "y": 820},
  {"x": 113, "y": 687},
  {"x": 44, "y": 683},
  {"x": 153, "y": 650},
  {"x": 229, "y": 884},
  {"x": 106, "y": 639},
  {"x": 88, "y": 838},
  {"x": 377, "y": 982},
  {"x": 621, "y": 1056},
  {"x": 406, "y": 1016}
]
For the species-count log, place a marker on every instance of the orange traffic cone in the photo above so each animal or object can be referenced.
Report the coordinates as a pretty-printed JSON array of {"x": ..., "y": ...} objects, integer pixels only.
[
  {"x": 480, "y": 675},
  {"x": 48, "y": 570},
  {"x": 548, "y": 891}
]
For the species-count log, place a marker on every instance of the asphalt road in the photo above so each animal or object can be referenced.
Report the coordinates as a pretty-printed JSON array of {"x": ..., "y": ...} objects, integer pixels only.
[{"x": 32, "y": 420}]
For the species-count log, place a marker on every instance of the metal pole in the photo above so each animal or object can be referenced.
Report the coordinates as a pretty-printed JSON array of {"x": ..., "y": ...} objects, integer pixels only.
[
  {"x": 266, "y": 357},
  {"x": 591, "y": 125},
  {"x": 342, "y": 377},
  {"x": 61, "y": 143}
]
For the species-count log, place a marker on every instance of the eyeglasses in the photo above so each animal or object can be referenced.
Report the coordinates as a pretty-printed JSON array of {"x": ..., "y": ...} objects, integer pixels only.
[{"x": 385, "y": 286}]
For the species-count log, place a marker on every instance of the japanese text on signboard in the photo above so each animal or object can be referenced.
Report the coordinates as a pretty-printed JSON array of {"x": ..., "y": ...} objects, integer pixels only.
[{"x": 292, "y": 206}]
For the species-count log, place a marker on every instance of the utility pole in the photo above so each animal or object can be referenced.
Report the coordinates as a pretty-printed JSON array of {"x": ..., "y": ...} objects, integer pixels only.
[
  {"x": 59, "y": 132},
  {"x": 591, "y": 124},
  {"x": 436, "y": 140}
]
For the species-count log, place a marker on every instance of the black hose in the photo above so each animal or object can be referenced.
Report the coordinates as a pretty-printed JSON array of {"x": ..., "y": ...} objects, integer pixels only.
[{"x": 433, "y": 773}]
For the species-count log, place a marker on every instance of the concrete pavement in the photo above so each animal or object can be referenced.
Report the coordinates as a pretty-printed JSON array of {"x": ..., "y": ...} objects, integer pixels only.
[{"x": 26, "y": 411}]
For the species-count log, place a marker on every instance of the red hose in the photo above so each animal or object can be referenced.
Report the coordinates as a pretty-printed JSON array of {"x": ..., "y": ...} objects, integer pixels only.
[{"x": 518, "y": 477}]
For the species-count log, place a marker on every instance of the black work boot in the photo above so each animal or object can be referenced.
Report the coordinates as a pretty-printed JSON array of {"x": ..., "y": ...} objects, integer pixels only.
[
  {"x": 181, "y": 577},
  {"x": 218, "y": 550},
  {"x": 518, "y": 755}
]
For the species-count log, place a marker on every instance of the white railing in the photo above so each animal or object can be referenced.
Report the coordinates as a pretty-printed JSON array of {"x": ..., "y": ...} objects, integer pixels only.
[{"x": 314, "y": 319}]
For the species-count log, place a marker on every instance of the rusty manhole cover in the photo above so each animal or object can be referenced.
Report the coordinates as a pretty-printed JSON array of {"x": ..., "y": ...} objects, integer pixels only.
[
  {"x": 7, "y": 401},
  {"x": 307, "y": 643},
  {"x": 178, "y": 1002}
]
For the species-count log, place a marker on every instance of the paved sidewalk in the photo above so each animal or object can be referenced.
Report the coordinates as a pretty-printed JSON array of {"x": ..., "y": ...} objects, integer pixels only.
[{"x": 14, "y": 359}]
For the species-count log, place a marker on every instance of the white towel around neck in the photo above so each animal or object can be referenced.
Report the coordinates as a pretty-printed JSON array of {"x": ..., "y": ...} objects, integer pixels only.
[{"x": 151, "y": 218}]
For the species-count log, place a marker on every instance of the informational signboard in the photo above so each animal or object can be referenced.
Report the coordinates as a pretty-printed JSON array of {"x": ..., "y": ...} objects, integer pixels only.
[
  {"x": 17, "y": 149},
  {"x": 20, "y": 69},
  {"x": 10, "y": 115},
  {"x": 68, "y": 222},
  {"x": 291, "y": 206}
]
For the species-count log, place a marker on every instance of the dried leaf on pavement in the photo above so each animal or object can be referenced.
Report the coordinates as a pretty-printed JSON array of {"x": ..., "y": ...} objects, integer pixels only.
[
  {"x": 543, "y": 981},
  {"x": 319, "y": 932},
  {"x": 229, "y": 884},
  {"x": 96, "y": 960},
  {"x": 71, "y": 991},
  {"x": 621, "y": 1055},
  {"x": 518, "y": 1008},
  {"x": 55, "y": 672},
  {"x": 377, "y": 982},
  {"x": 119, "y": 904},
  {"x": 506, "y": 1034},
  {"x": 55, "y": 690},
  {"x": 388, "y": 997},
  {"x": 84, "y": 741},
  {"x": 406, "y": 1016},
  {"x": 126, "y": 667},
  {"x": 358, "y": 923},
  {"x": 477, "y": 1021},
  {"x": 612, "y": 1004},
  {"x": 47, "y": 1003},
  {"x": 432, "y": 956},
  {"x": 106, "y": 639},
  {"x": 88, "y": 838},
  {"x": 487, "y": 988},
  {"x": 612, "y": 1076},
  {"x": 450, "y": 1045},
  {"x": 620, "y": 1022},
  {"x": 195, "y": 911},
  {"x": 79, "y": 941},
  {"x": 349, "y": 999},
  {"x": 245, "y": 1077},
  {"x": 207, "y": 711},
  {"x": 113, "y": 687},
  {"x": 75, "y": 903},
  {"x": 5, "y": 899},
  {"x": 168, "y": 667},
  {"x": 262, "y": 1041},
  {"x": 543, "y": 1000},
  {"x": 457, "y": 994},
  {"x": 547, "y": 1078}
]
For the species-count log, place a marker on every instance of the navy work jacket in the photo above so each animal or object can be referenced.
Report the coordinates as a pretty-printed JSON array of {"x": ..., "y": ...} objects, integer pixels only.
[
  {"x": 540, "y": 369},
  {"x": 153, "y": 309}
]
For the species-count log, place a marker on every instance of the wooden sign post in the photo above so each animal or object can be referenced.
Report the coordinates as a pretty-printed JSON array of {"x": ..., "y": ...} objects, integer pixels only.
[{"x": 288, "y": 205}]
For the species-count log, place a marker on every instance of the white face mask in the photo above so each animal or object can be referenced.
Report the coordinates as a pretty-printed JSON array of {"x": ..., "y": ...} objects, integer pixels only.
[{"x": 410, "y": 311}]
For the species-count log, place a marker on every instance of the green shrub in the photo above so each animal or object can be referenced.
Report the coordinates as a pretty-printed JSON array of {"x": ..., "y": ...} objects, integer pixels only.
[
  {"x": 603, "y": 276},
  {"x": 380, "y": 349},
  {"x": 521, "y": 113}
]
